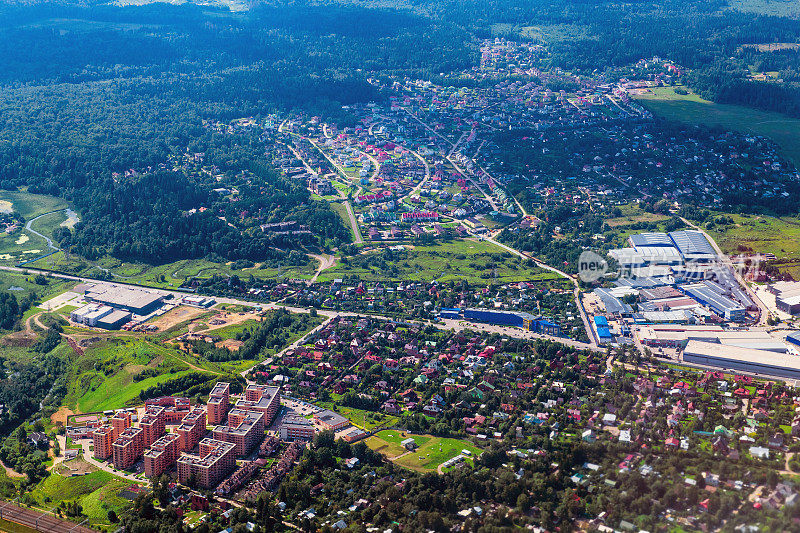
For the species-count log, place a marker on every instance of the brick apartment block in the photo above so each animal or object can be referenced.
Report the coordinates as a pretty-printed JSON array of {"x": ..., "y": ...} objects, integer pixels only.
[
  {"x": 218, "y": 403},
  {"x": 261, "y": 398},
  {"x": 161, "y": 455},
  {"x": 245, "y": 429},
  {"x": 215, "y": 461}
]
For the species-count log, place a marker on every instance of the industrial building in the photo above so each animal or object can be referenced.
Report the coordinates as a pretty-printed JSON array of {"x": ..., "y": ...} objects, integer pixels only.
[
  {"x": 134, "y": 300},
  {"x": 100, "y": 316},
  {"x": 787, "y": 296},
  {"x": 742, "y": 359},
  {"x": 516, "y": 319},
  {"x": 693, "y": 245},
  {"x": 719, "y": 303},
  {"x": 215, "y": 461}
]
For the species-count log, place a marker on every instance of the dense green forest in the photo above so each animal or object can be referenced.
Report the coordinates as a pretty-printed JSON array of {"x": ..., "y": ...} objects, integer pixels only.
[{"x": 87, "y": 91}]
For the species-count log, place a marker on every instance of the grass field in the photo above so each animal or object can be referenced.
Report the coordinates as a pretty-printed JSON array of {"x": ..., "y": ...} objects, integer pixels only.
[
  {"x": 103, "y": 378},
  {"x": 691, "y": 109},
  {"x": 367, "y": 420},
  {"x": 633, "y": 214},
  {"x": 31, "y": 205},
  {"x": 475, "y": 261},
  {"x": 170, "y": 275},
  {"x": 431, "y": 452},
  {"x": 97, "y": 492},
  {"x": 780, "y": 236}
]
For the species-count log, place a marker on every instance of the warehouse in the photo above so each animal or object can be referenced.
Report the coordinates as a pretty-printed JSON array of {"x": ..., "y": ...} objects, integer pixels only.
[
  {"x": 114, "y": 320},
  {"x": 720, "y": 304},
  {"x": 89, "y": 314},
  {"x": 693, "y": 245},
  {"x": 514, "y": 319},
  {"x": 642, "y": 240},
  {"x": 133, "y": 300},
  {"x": 742, "y": 359}
]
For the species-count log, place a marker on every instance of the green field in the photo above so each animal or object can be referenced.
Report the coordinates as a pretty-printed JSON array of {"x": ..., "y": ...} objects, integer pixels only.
[
  {"x": 170, "y": 275},
  {"x": 692, "y": 109},
  {"x": 475, "y": 261},
  {"x": 367, "y": 420},
  {"x": 103, "y": 378},
  {"x": 432, "y": 451},
  {"x": 97, "y": 492},
  {"x": 31, "y": 205},
  {"x": 780, "y": 236}
]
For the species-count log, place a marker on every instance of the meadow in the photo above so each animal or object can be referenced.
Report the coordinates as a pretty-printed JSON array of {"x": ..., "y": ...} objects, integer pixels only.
[
  {"x": 431, "y": 452},
  {"x": 105, "y": 376},
  {"x": 478, "y": 262},
  {"x": 692, "y": 109}
]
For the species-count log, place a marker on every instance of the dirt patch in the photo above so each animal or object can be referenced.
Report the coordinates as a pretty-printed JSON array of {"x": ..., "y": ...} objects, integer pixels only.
[
  {"x": 176, "y": 316},
  {"x": 61, "y": 415},
  {"x": 222, "y": 320},
  {"x": 11, "y": 472},
  {"x": 76, "y": 467}
]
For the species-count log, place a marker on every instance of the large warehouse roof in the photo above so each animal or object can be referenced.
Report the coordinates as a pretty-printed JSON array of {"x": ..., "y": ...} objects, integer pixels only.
[
  {"x": 748, "y": 359},
  {"x": 691, "y": 242},
  {"x": 650, "y": 239}
]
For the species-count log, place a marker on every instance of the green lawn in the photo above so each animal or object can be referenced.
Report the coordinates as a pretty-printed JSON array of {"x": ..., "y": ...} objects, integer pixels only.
[
  {"x": 478, "y": 262},
  {"x": 432, "y": 451},
  {"x": 367, "y": 420},
  {"x": 691, "y": 109}
]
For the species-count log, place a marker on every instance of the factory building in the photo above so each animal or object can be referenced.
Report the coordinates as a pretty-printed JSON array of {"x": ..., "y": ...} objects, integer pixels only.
[
  {"x": 734, "y": 358},
  {"x": 787, "y": 296},
  {"x": 693, "y": 245},
  {"x": 516, "y": 319},
  {"x": 719, "y": 303}
]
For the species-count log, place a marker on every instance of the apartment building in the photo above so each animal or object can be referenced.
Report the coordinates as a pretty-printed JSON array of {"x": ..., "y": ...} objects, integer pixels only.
[
  {"x": 121, "y": 421},
  {"x": 175, "y": 407},
  {"x": 215, "y": 461},
  {"x": 103, "y": 438},
  {"x": 218, "y": 402},
  {"x": 295, "y": 427},
  {"x": 128, "y": 447},
  {"x": 191, "y": 429},
  {"x": 261, "y": 398},
  {"x": 152, "y": 424},
  {"x": 245, "y": 429},
  {"x": 161, "y": 455}
]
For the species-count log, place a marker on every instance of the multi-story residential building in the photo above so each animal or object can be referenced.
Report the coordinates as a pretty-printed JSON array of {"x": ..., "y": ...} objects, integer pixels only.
[
  {"x": 152, "y": 424},
  {"x": 103, "y": 438},
  {"x": 261, "y": 398},
  {"x": 175, "y": 407},
  {"x": 296, "y": 428},
  {"x": 120, "y": 422},
  {"x": 161, "y": 455},
  {"x": 215, "y": 461},
  {"x": 218, "y": 402},
  {"x": 191, "y": 429},
  {"x": 128, "y": 447},
  {"x": 245, "y": 429}
]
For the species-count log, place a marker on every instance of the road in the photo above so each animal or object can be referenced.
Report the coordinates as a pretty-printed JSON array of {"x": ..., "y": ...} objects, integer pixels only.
[
  {"x": 763, "y": 309},
  {"x": 576, "y": 290},
  {"x": 53, "y": 248},
  {"x": 325, "y": 262}
]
